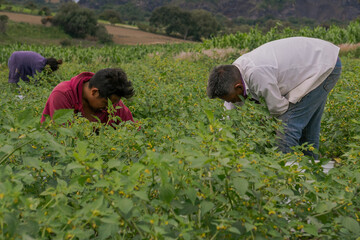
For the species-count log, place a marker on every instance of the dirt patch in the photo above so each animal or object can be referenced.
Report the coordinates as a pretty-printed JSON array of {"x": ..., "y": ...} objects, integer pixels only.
[
  {"x": 214, "y": 53},
  {"x": 347, "y": 47},
  {"x": 121, "y": 35},
  {"x": 19, "y": 17}
]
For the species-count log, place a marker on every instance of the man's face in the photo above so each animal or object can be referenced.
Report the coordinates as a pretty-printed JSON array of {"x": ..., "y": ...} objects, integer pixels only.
[
  {"x": 234, "y": 96},
  {"x": 99, "y": 104}
]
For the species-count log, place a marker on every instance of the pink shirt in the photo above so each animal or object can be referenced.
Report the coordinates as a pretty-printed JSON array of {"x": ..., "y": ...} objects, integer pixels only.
[{"x": 68, "y": 95}]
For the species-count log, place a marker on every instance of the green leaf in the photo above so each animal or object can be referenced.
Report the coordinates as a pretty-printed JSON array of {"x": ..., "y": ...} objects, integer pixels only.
[
  {"x": 106, "y": 230},
  {"x": 210, "y": 115},
  {"x": 205, "y": 207},
  {"x": 197, "y": 162},
  {"x": 61, "y": 116},
  {"x": 32, "y": 162},
  {"x": 142, "y": 195},
  {"x": 351, "y": 224},
  {"x": 27, "y": 237},
  {"x": 287, "y": 192},
  {"x": 112, "y": 219},
  {"x": 311, "y": 229},
  {"x": 324, "y": 207},
  {"x": 11, "y": 223},
  {"x": 48, "y": 168},
  {"x": 167, "y": 193},
  {"x": 74, "y": 165},
  {"x": 125, "y": 205},
  {"x": 61, "y": 183},
  {"x": 101, "y": 183},
  {"x": 114, "y": 163},
  {"x": 81, "y": 151},
  {"x": 7, "y": 149},
  {"x": 241, "y": 185},
  {"x": 25, "y": 117},
  {"x": 191, "y": 194},
  {"x": 249, "y": 227},
  {"x": 234, "y": 230}
]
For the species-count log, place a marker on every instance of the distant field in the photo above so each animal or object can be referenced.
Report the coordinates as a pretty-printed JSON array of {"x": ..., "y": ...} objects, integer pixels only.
[{"x": 121, "y": 35}]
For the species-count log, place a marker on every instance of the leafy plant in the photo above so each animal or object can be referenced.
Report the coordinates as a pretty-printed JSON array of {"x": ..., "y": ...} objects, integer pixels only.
[{"x": 186, "y": 169}]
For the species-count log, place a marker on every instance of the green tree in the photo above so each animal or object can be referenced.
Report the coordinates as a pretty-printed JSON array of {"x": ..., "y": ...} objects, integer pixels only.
[
  {"x": 102, "y": 35},
  {"x": 111, "y": 16},
  {"x": 204, "y": 24},
  {"x": 132, "y": 13},
  {"x": 76, "y": 21},
  {"x": 44, "y": 11},
  {"x": 173, "y": 19},
  {"x": 30, "y": 5},
  {"x": 196, "y": 24}
]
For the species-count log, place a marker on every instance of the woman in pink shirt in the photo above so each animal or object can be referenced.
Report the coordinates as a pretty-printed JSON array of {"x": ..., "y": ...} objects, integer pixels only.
[{"x": 88, "y": 93}]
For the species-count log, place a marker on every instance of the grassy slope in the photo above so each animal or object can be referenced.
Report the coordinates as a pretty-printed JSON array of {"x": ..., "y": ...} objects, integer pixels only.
[
  {"x": 38, "y": 34},
  {"x": 32, "y": 34}
]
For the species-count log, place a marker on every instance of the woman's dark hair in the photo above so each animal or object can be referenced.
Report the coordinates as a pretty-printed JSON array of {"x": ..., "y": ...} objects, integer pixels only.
[
  {"x": 53, "y": 63},
  {"x": 111, "y": 81}
]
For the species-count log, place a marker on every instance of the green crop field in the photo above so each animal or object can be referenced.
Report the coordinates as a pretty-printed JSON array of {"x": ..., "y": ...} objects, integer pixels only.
[{"x": 183, "y": 170}]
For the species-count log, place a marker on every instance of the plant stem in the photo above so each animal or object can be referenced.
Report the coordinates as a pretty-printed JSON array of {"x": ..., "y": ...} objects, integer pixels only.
[
  {"x": 214, "y": 237},
  {"x": 227, "y": 188},
  {"x": 9, "y": 154}
]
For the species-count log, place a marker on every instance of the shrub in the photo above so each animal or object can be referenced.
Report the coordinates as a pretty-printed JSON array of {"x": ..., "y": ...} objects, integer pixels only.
[
  {"x": 146, "y": 27},
  {"x": 111, "y": 16},
  {"x": 102, "y": 35},
  {"x": 44, "y": 11},
  {"x": 205, "y": 24},
  {"x": 195, "y": 24},
  {"x": 76, "y": 21},
  {"x": 46, "y": 19},
  {"x": 30, "y": 5},
  {"x": 3, "y": 22},
  {"x": 65, "y": 42}
]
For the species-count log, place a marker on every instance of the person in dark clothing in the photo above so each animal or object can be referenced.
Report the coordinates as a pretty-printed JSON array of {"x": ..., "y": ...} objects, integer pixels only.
[{"x": 25, "y": 64}]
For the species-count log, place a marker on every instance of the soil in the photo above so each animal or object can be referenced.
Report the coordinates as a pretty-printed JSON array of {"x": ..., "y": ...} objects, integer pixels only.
[{"x": 121, "y": 35}]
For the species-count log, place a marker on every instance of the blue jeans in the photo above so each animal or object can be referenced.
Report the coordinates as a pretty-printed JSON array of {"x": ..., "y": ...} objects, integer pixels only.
[{"x": 301, "y": 122}]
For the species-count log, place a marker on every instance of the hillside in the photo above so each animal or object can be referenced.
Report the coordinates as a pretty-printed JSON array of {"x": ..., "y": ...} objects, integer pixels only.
[{"x": 320, "y": 10}]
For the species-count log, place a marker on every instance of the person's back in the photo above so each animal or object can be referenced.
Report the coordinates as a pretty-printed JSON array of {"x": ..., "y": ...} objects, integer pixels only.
[
  {"x": 25, "y": 64},
  {"x": 294, "y": 65}
]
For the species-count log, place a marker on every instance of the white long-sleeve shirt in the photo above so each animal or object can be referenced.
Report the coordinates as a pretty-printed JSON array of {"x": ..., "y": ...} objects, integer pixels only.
[{"x": 285, "y": 70}]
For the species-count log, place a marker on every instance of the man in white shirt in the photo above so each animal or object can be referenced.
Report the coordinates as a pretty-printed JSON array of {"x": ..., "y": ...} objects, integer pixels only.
[{"x": 293, "y": 75}]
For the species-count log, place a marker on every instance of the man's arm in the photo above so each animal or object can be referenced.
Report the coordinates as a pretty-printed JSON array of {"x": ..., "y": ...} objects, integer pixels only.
[
  {"x": 57, "y": 100},
  {"x": 264, "y": 84}
]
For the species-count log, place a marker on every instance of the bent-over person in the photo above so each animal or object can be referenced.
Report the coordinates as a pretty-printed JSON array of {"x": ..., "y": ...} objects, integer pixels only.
[
  {"x": 88, "y": 94},
  {"x": 293, "y": 75},
  {"x": 25, "y": 64}
]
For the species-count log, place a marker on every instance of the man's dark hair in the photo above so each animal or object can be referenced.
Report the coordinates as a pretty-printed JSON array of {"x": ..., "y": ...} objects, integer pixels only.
[
  {"x": 111, "y": 81},
  {"x": 53, "y": 63},
  {"x": 221, "y": 80}
]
